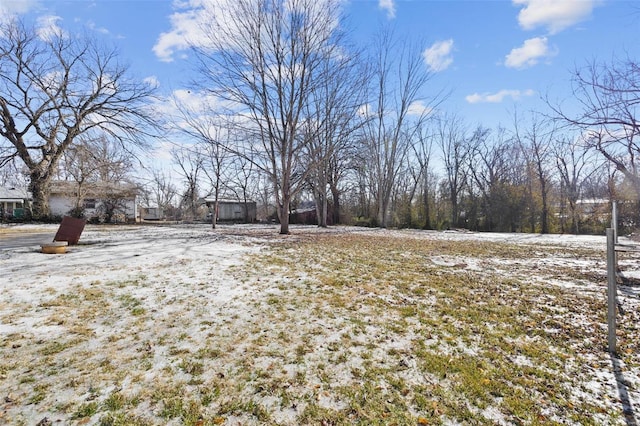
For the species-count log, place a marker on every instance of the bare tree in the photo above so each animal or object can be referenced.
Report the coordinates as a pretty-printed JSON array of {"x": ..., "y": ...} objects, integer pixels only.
[
  {"x": 214, "y": 137},
  {"x": 609, "y": 96},
  {"x": 215, "y": 159},
  {"x": 404, "y": 194},
  {"x": 243, "y": 181},
  {"x": 332, "y": 120},
  {"x": 163, "y": 191},
  {"x": 422, "y": 154},
  {"x": 341, "y": 168},
  {"x": 190, "y": 164},
  {"x": 55, "y": 88},
  {"x": 13, "y": 173},
  {"x": 397, "y": 108},
  {"x": 266, "y": 58},
  {"x": 490, "y": 164},
  {"x": 536, "y": 142},
  {"x": 575, "y": 164},
  {"x": 91, "y": 162},
  {"x": 453, "y": 139}
]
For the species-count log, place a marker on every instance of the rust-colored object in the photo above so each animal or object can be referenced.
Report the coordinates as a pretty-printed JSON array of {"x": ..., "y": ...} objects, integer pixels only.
[
  {"x": 70, "y": 230},
  {"x": 57, "y": 247}
]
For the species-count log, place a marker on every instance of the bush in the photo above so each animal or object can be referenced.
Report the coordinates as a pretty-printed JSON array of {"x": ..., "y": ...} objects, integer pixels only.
[
  {"x": 77, "y": 212},
  {"x": 367, "y": 222}
]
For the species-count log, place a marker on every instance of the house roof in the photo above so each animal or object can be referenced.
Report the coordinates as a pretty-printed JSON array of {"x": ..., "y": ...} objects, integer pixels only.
[
  {"x": 14, "y": 194},
  {"x": 94, "y": 189},
  {"x": 211, "y": 200}
]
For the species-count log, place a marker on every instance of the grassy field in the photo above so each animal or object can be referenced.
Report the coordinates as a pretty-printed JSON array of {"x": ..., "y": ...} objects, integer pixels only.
[{"x": 331, "y": 329}]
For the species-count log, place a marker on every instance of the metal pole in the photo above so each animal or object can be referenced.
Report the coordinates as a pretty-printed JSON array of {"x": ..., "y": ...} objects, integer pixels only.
[
  {"x": 611, "y": 290},
  {"x": 614, "y": 220}
]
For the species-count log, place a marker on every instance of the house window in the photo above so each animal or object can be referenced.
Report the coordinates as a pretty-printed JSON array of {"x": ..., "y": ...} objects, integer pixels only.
[{"x": 90, "y": 203}]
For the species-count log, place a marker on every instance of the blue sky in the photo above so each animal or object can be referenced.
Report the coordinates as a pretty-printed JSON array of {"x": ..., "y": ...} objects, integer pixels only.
[{"x": 495, "y": 56}]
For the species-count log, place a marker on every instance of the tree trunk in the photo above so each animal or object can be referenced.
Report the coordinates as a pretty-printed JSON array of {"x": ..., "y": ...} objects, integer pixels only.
[
  {"x": 322, "y": 211},
  {"x": 454, "y": 209},
  {"x": 427, "y": 210},
  {"x": 214, "y": 213},
  {"x": 380, "y": 217},
  {"x": 39, "y": 187},
  {"x": 574, "y": 218},
  {"x": 335, "y": 194},
  {"x": 382, "y": 213},
  {"x": 283, "y": 215},
  {"x": 325, "y": 210},
  {"x": 320, "y": 198},
  {"x": 544, "y": 217}
]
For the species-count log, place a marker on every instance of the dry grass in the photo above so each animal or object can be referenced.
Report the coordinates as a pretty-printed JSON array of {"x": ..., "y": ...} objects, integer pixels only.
[{"x": 333, "y": 329}]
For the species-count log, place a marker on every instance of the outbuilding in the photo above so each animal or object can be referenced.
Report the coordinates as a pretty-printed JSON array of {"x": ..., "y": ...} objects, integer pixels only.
[{"x": 233, "y": 210}]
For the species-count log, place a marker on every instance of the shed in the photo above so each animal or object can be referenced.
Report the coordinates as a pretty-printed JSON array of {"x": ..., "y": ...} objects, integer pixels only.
[{"x": 230, "y": 210}]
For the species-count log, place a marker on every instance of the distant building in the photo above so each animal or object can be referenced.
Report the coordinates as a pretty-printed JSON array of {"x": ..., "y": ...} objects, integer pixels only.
[
  {"x": 13, "y": 201},
  {"x": 233, "y": 210},
  {"x": 151, "y": 213},
  {"x": 96, "y": 200},
  {"x": 594, "y": 208}
]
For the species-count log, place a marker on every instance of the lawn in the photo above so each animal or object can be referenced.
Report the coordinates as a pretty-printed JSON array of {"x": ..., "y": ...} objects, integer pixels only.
[{"x": 238, "y": 325}]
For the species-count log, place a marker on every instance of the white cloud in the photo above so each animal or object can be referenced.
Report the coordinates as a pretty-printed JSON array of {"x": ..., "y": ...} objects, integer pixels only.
[
  {"x": 11, "y": 8},
  {"x": 92, "y": 26},
  {"x": 162, "y": 151},
  {"x": 555, "y": 15},
  {"x": 186, "y": 28},
  {"x": 438, "y": 56},
  {"x": 530, "y": 53},
  {"x": 365, "y": 110},
  {"x": 194, "y": 102},
  {"x": 498, "y": 97},
  {"x": 389, "y": 6},
  {"x": 47, "y": 27},
  {"x": 152, "y": 81},
  {"x": 419, "y": 108},
  {"x": 196, "y": 20}
]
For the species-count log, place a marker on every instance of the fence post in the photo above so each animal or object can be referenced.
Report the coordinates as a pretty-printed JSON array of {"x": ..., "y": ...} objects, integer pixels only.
[
  {"x": 611, "y": 290},
  {"x": 614, "y": 219}
]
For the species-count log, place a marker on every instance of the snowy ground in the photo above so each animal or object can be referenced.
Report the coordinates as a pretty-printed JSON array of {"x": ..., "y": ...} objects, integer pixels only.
[{"x": 133, "y": 317}]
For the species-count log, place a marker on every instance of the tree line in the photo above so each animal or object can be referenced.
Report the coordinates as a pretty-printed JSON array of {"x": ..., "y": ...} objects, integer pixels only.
[{"x": 291, "y": 110}]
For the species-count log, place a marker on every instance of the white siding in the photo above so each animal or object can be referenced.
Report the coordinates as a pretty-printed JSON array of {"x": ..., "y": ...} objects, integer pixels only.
[{"x": 59, "y": 205}]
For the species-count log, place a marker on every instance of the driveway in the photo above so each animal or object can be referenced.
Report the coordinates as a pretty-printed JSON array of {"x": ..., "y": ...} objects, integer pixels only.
[{"x": 31, "y": 239}]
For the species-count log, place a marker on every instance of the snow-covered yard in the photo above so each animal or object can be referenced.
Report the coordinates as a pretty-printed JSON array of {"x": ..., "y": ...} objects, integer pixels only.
[{"x": 239, "y": 325}]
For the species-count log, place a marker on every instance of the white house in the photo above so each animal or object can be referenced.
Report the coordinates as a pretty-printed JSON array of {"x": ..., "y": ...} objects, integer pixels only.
[
  {"x": 13, "y": 201},
  {"x": 97, "y": 200}
]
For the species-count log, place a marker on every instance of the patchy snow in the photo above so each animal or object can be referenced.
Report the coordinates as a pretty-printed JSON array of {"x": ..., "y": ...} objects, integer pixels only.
[{"x": 179, "y": 282}]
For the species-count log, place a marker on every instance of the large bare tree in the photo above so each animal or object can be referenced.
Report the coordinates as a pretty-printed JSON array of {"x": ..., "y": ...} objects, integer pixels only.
[
  {"x": 93, "y": 163},
  {"x": 609, "y": 111},
  {"x": 190, "y": 163},
  {"x": 265, "y": 59},
  {"x": 162, "y": 192},
  {"x": 575, "y": 164},
  {"x": 454, "y": 141},
  {"x": 536, "y": 140},
  {"x": 213, "y": 138},
  {"x": 55, "y": 88},
  {"x": 490, "y": 162},
  {"x": 397, "y": 107},
  {"x": 332, "y": 120},
  {"x": 422, "y": 156}
]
